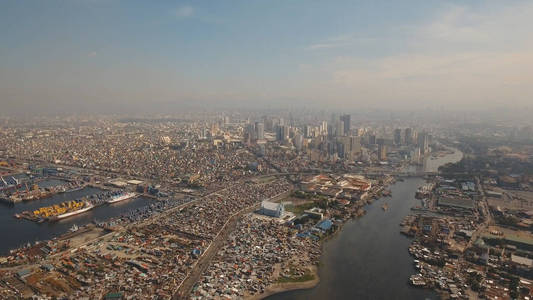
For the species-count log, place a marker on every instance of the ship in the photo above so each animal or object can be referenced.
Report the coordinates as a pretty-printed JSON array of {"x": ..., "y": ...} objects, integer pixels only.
[
  {"x": 121, "y": 197},
  {"x": 74, "y": 228},
  {"x": 88, "y": 206},
  {"x": 81, "y": 187},
  {"x": 417, "y": 280}
]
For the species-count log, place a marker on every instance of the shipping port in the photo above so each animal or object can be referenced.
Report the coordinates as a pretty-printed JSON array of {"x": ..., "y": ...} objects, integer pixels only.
[
  {"x": 25, "y": 193},
  {"x": 74, "y": 207}
]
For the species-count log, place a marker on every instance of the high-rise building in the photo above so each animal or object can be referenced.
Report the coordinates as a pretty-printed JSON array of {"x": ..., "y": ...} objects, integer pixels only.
[
  {"x": 355, "y": 145},
  {"x": 382, "y": 152},
  {"x": 384, "y": 141},
  {"x": 249, "y": 133},
  {"x": 344, "y": 147},
  {"x": 324, "y": 128},
  {"x": 415, "y": 155},
  {"x": 307, "y": 131},
  {"x": 397, "y": 136},
  {"x": 347, "y": 123},
  {"x": 339, "y": 128},
  {"x": 298, "y": 141},
  {"x": 279, "y": 133},
  {"x": 423, "y": 143},
  {"x": 259, "y": 130},
  {"x": 285, "y": 133},
  {"x": 372, "y": 139},
  {"x": 408, "y": 136}
]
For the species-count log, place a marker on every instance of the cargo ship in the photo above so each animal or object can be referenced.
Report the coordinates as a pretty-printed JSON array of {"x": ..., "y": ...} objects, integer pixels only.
[
  {"x": 57, "y": 212},
  {"x": 87, "y": 206},
  {"x": 121, "y": 196}
]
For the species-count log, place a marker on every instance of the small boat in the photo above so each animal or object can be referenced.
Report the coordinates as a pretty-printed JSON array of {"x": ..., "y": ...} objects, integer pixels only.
[
  {"x": 74, "y": 228},
  {"x": 385, "y": 206}
]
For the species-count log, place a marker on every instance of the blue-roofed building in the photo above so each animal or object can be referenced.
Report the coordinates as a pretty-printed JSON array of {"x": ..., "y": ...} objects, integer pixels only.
[{"x": 324, "y": 225}]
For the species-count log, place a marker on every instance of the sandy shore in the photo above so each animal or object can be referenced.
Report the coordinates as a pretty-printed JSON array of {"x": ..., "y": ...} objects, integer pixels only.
[{"x": 290, "y": 286}]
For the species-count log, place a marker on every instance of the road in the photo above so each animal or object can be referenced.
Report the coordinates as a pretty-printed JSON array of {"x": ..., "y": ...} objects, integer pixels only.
[{"x": 185, "y": 288}]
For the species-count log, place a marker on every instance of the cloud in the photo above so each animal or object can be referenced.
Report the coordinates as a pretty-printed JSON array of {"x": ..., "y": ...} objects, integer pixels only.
[
  {"x": 340, "y": 41},
  {"x": 461, "y": 58},
  {"x": 324, "y": 46},
  {"x": 184, "y": 11}
]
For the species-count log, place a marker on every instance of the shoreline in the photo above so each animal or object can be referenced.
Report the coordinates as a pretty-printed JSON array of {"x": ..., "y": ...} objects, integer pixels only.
[{"x": 278, "y": 288}]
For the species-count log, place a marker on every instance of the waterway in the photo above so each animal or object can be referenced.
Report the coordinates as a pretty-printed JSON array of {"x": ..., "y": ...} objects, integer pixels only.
[
  {"x": 369, "y": 258},
  {"x": 15, "y": 232}
]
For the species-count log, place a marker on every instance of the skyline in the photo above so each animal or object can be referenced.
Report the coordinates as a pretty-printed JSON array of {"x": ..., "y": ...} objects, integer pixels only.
[{"x": 99, "y": 55}]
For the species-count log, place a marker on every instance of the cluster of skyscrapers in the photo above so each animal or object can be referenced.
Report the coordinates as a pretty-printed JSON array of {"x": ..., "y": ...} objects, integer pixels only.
[{"x": 338, "y": 139}]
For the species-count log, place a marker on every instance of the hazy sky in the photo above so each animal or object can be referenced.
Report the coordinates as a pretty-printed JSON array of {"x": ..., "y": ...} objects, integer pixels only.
[{"x": 82, "y": 54}]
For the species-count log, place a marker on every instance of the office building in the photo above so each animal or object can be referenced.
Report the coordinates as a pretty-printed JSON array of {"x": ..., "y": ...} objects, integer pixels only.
[
  {"x": 347, "y": 124},
  {"x": 398, "y": 137},
  {"x": 408, "y": 136},
  {"x": 423, "y": 143},
  {"x": 382, "y": 152},
  {"x": 259, "y": 131}
]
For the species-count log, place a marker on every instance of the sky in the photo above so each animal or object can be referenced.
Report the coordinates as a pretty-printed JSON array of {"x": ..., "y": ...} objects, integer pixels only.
[{"x": 126, "y": 55}]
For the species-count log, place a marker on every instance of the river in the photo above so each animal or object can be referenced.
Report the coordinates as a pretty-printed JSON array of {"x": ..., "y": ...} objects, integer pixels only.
[
  {"x": 369, "y": 258},
  {"x": 15, "y": 232}
]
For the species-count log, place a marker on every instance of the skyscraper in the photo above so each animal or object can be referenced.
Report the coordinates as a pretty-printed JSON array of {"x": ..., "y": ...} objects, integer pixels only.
[
  {"x": 259, "y": 130},
  {"x": 408, "y": 136},
  {"x": 298, "y": 141},
  {"x": 339, "y": 128},
  {"x": 382, "y": 152},
  {"x": 372, "y": 139},
  {"x": 282, "y": 133},
  {"x": 324, "y": 128},
  {"x": 423, "y": 142},
  {"x": 307, "y": 131},
  {"x": 347, "y": 123},
  {"x": 355, "y": 145},
  {"x": 397, "y": 136}
]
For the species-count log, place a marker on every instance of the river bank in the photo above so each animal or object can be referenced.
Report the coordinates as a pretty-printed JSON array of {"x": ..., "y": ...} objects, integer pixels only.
[
  {"x": 289, "y": 286},
  {"x": 368, "y": 258}
]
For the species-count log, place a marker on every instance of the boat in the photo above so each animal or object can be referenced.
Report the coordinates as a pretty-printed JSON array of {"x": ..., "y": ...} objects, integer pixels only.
[
  {"x": 88, "y": 206},
  {"x": 385, "y": 206},
  {"x": 75, "y": 189},
  {"x": 74, "y": 228},
  {"x": 121, "y": 197},
  {"x": 417, "y": 280},
  {"x": 418, "y": 208}
]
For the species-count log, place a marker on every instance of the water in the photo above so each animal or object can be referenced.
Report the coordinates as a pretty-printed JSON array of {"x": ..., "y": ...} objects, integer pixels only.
[
  {"x": 16, "y": 232},
  {"x": 369, "y": 258},
  {"x": 432, "y": 165}
]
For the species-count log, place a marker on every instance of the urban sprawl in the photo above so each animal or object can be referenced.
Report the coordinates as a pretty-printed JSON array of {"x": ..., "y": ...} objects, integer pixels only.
[{"x": 240, "y": 204}]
